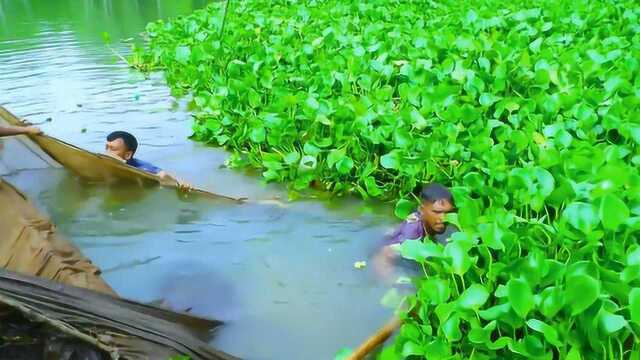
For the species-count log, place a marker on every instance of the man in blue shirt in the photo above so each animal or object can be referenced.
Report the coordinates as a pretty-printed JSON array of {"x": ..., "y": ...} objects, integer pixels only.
[{"x": 122, "y": 146}]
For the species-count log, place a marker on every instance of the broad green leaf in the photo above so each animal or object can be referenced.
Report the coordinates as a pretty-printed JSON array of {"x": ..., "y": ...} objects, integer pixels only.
[
  {"x": 343, "y": 354},
  {"x": 582, "y": 291},
  {"x": 391, "y": 160},
  {"x": 436, "y": 290},
  {"x": 451, "y": 328},
  {"x": 582, "y": 216},
  {"x": 574, "y": 354},
  {"x": 491, "y": 235},
  {"x": 613, "y": 212},
  {"x": 419, "y": 250},
  {"x": 404, "y": 208},
  {"x": 495, "y": 312},
  {"x": 372, "y": 187},
  {"x": 550, "y": 334},
  {"x": 410, "y": 348},
  {"x": 552, "y": 301},
  {"x": 292, "y": 158},
  {"x": 460, "y": 259},
  {"x": 611, "y": 323},
  {"x": 334, "y": 156},
  {"x": 634, "y": 305},
  {"x": 258, "y": 134},
  {"x": 344, "y": 165},
  {"x": 183, "y": 54},
  {"x": 520, "y": 297},
  {"x": 474, "y": 297}
]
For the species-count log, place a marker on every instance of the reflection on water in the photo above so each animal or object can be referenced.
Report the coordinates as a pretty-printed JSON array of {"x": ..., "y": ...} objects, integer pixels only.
[{"x": 281, "y": 276}]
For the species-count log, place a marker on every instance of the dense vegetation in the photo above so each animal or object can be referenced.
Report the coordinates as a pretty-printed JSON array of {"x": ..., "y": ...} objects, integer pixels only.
[{"x": 529, "y": 110}]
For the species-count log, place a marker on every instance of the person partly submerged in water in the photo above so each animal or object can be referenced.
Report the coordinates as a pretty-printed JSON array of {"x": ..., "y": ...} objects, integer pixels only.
[
  {"x": 427, "y": 223},
  {"x": 121, "y": 145}
]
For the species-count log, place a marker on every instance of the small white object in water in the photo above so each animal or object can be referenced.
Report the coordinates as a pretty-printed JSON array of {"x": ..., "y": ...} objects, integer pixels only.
[{"x": 360, "y": 264}]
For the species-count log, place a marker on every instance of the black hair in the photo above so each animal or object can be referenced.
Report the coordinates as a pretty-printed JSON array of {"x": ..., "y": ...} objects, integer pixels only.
[
  {"x": 129, "y": 140},
  {"x": 433, "y": 192}
]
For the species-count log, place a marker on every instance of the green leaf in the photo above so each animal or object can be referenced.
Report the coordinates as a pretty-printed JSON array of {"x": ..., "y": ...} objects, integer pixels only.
[
  {"x": 391, "y": 160},
  {"x": 418, "y": 250},
  {"x": 550, "y": 334},
  {"x": 451, "y": 328},
  {"x": 582, "y": 216},
  {"x": 258, "y": 134},
  {"x": 183, "y": 53},
  {"x": 311, "y": 149},
  {"x": 344, "y": 165},
  {"x": 312, "y": 103},
  {"x": 460, "y": 260},
  {"x": 436, "y": 290},
  {"x": 488, "y": 99},
  {"x": 582, "y": 291},
  {"x": 520, "y": 297},
  {"x": 552, "y": 301},
  {"x": 404, "y": 208},
  {"x": 611, "y": 323},
  {"x": 574, "y": 354},
  {"x": 613, "y": 212},
  {"x": 495, "y": 312},
  {"x": 634, "y": 305},
  {"x": 343, "y": 354},
  {"x": 411, "y": 349},
  {"x": 474, "y": 297},
  {"x": 372, "y": 186},
  {"x": 292, "y": 158},
  {"x": 334, "y": 156},
  {"x": 491, "y": 235}
]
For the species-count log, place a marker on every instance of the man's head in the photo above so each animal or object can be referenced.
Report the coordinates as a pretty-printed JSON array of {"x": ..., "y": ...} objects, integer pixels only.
[
  {"x": 121, "y": 144},
  {"x": 437, "y": 201}
]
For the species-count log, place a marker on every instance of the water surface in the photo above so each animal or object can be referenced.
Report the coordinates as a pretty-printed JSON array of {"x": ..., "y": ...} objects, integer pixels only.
[{"x": 280, "y": 274}]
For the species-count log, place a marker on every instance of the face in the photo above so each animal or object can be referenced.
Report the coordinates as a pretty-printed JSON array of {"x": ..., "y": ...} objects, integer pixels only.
[
  {"x": 433, "y": 215},
  {"x": 118, "y": 149}
]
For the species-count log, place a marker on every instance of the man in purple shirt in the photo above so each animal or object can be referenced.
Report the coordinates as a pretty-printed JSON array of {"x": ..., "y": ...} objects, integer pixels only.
[
  {"x": 426, "y": 223},
  {"x": 122, "y": 146}
]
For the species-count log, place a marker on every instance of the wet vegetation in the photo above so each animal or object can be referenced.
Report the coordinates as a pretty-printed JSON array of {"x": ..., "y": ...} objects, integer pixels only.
[{"x": 527, "y": 109}]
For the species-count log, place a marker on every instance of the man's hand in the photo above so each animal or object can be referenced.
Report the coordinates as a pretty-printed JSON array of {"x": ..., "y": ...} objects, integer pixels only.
[
  {"x": 184, "y": 186},
  {"x": 168, "y": 178},
  {"x": 32, "y": 130}
]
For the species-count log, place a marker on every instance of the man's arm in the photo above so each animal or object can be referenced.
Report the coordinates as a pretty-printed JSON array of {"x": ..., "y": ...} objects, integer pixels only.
[
  {"x": 19, "y": 130},
  {"x": 383, "y": 263},
  {"x": 182, "y": 185}
]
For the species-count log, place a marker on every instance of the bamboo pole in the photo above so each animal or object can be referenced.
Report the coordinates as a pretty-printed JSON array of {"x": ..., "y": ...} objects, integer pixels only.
[{"x": 376, "y": 339}]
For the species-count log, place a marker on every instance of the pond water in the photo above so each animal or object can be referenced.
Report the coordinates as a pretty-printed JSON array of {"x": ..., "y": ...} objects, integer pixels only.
[{"x": 279, "y": 274}]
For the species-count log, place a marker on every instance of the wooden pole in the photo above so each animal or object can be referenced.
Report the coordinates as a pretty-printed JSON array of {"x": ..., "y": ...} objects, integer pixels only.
[{"x": 376, "y": 339}]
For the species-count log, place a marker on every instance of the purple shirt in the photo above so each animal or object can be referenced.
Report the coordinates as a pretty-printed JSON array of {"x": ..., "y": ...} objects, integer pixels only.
[{"x": 412, "y": 229}]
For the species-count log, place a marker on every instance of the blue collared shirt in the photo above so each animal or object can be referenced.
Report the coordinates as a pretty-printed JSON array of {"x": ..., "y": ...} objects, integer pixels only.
[{"x": 143, "y": 165}]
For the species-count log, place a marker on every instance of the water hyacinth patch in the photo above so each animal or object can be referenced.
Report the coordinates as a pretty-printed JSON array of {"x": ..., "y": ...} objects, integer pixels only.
[{"x": 528, "y": 110}]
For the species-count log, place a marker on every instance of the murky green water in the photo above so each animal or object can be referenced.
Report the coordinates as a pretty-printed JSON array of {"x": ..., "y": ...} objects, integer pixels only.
[{"x": 282, "y": 277}]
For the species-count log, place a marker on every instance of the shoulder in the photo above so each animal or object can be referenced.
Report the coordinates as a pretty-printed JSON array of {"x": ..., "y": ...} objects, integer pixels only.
[
  {"x": 410, "y": 229},
  {"x": 143, "y": 165},
  {"x": 413, "y": 218}
]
